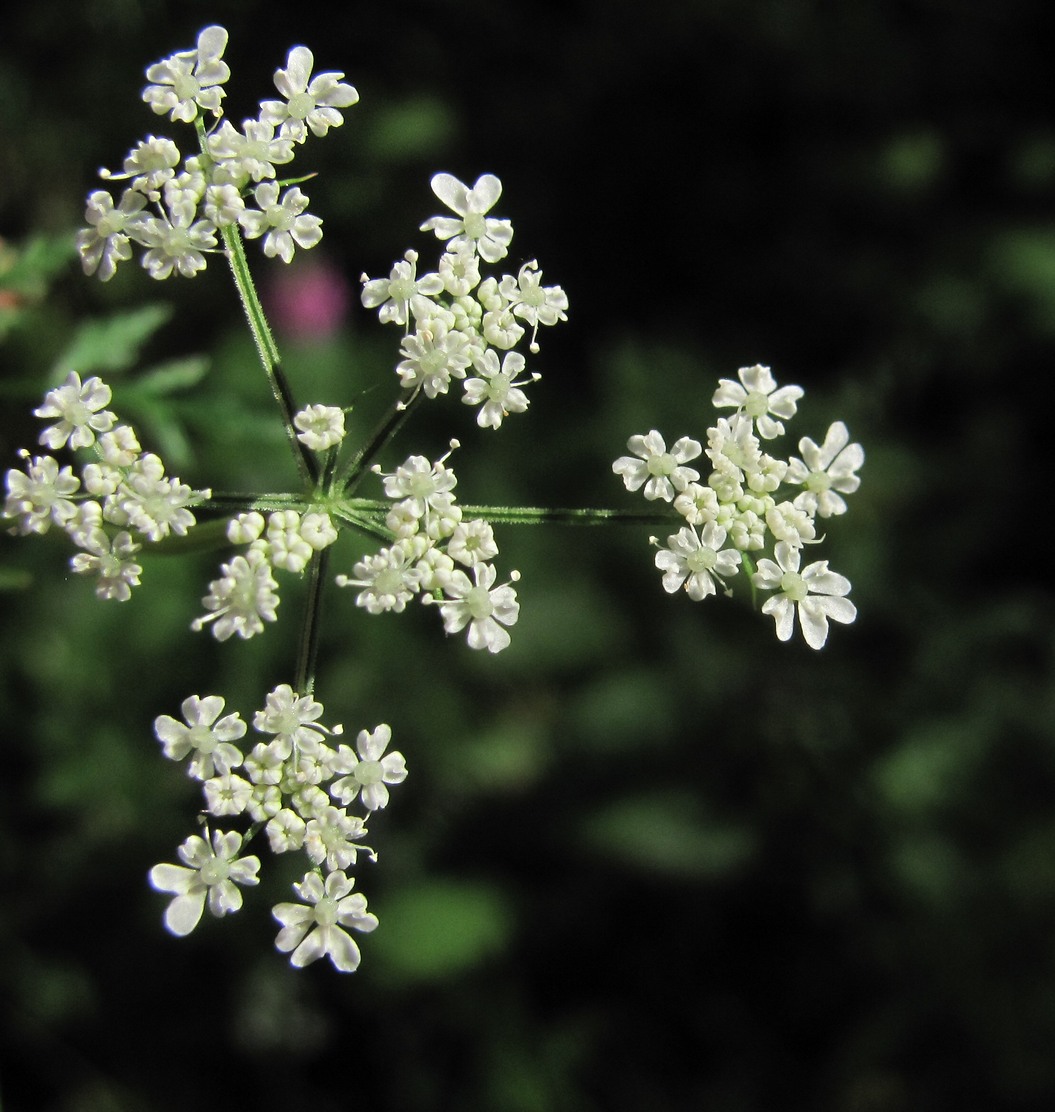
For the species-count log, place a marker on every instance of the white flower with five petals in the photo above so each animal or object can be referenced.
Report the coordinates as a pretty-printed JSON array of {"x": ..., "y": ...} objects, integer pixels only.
[{"x": 472, "y": 227}]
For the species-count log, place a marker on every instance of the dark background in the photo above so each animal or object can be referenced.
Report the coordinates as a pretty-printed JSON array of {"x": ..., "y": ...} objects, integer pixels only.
[{"x": 649, "y": 857}]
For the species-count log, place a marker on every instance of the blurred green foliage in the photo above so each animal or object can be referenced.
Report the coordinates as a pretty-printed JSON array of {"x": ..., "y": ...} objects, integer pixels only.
[{"x": 647, "y": 858}]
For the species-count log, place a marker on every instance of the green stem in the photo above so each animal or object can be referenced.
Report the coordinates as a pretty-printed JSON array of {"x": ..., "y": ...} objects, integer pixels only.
[
  {"x": 307, "y": 656},
  {"x": 389, "y": 426},
  {"x": 534, "y": 515},
  {"x": 266, "y": 349}
]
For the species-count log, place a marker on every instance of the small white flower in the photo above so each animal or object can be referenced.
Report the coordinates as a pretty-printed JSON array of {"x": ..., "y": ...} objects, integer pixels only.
[
  {"x": 320, "y": 426},
  {"x": 389, "y": 580},
  {"x": 190, "y": 79},
  {"x": 827, "y": 472},
  {"x": 481, "y": 606},
  {"x": 392, "y": 295},
  {"x": 473, "y": 228},
  {"x": 110, "y": 560},
  {"x": 310, "y": 102},
  {"x": 459, "y": 270},
  {"x": 420, "y": 481},
  {"x": 227, "y": 794},
  {"x": 40, "y": 495},
  {"x": 293, "y": 719},
  {"x": 281, "y": 221},
  {"x": 757, "y": 396},
  {"x": 787, "y": 522},
  {"x": 331, "y": 837},
  {"x": 211, "y": 873},
  {"x": 432, "y": 356},
  {"x": 80, "y": 409},
  {"x": 150, "y": 164},
  {"x": 203, "y": 733},
  {"x": 250, "y": 154},
  {"x": 497, "y": 387},
  {"x": 242, "y": 599},
  {"x": 285, "y": 831},
  {"x": 314, "y": 931},
  {"x": 176, "y": 243},
  {"x": 696, "y": 561},
  {"x": 816, "y": 593},
  {"x": 155, "y": 504},
  {"x": 663, "y": 474},
  {"x": 105, "y": 242},
  {"x": 318, "y": 530},
  {"x": 533, "y": 302},
  {"x": 472, "y": 542},
  {"x": 367, "y": 774}
]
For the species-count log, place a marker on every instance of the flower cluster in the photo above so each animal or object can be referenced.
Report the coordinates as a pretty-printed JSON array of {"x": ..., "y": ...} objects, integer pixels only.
[
  {"x": 245, "y": 596},
  {"x": 120, "y": 498},
  {"x": 432, "y": 555},
  {"x": 457, "y": 322},
  {"x": 752, "y": 503},
  {"x": 176, "y": 208},
  {"x": 298, "y": 788}
]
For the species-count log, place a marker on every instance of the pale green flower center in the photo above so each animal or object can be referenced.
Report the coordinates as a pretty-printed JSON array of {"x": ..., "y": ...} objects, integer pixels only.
[
  {"x": 326, "y": 912},
  {"x": 215, "y": 870},
  {"x": 186, "y": 86},
  {"x": 818, "y": 482},
  {"x": 757, "y": 404},
  {"x": 794, "y": 586},
  {"x": 662, "y": 465},
  {"x": 475, "y": 225},
  {"x": 369, "y": 772},
  {"x": 301, "y": 105},
  {"x": 703, "y": 559},
  {"x": 479, "y": 603}
]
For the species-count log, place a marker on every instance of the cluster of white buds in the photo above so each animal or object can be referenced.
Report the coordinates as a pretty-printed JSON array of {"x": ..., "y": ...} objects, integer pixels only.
[
  {"x": 176, "y": 207},
  {"x": 120, "y": 498},
  {"x": 246, "y": 594},
  {"x": 752, "y": 503},
  {"x": 298, "y": 788},
  {"x": 433, "y": 552},
  {"x": 454, "y": 319}
]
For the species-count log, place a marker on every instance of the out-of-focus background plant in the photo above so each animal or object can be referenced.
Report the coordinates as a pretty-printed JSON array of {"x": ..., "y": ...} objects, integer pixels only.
[{"x": 648, "y": 857}]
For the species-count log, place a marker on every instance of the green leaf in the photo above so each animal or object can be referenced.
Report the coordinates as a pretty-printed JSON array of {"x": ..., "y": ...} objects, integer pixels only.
[{"x": 113, "y": 343}]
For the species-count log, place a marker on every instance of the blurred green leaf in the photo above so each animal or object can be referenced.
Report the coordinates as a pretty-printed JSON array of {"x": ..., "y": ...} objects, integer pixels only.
[
  {"x": 441, "y": 927},
  {"x": 112, "y": 343}
]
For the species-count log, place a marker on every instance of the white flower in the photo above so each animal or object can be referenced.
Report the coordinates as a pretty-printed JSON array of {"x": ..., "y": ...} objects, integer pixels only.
[
  {"x": 318, "y": 530},
  {"x": 487, "y": 235},
  {"x": 757, "y": 395},
  {"x": 321, "y": 426},
  {"x": 533, "y": 302},
  {"x": 109, "y": 559},
  {"x": 150, "y": 164},
  {"x": 293, "y": 719},
  {"x": 177, "y": 242},
  {"x": 733, "y": 448},
  {"x": 249, "y": 154},
  {"x": 212, "y": 873},
  {"x": 242, "y": 599},
  {"x": 331, "y": 837},
  {"x": 696, "y": 560},
  {"x": 40, "y": 494},
  {"x": 227, "y": 794},
  {"x": 310, "y": 102},
  {"x": 481, "y": 606},
  {"x": 787, "y": 522},
  {"x": 459, "y": 270},
  {"x": 190, "y": 79},
  {"x": 497, "y": 388},
  {"x": 432, "y": 356},
  {"x": 283, "y": 220},
  {"x": 368, "y": 774},
  {"x": 420, "y": 481},
  {"x": 204, "y": 734},
  {"x": 314, "y": 931},
  {"x": 389, "y": 580},
  {"x": 472, "y": 542},
  {"x": 80, "y": 410},
  {"x": 817, "y": 594},
  {"x": 285, "y": 831},
  {"x": 155, "y": 504},
  {"x": 105, "y": 242},
  {"x": 827, "y": 472},
  {"x": 662, "y": 473},
  {"x": 394, "y": 293}
]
